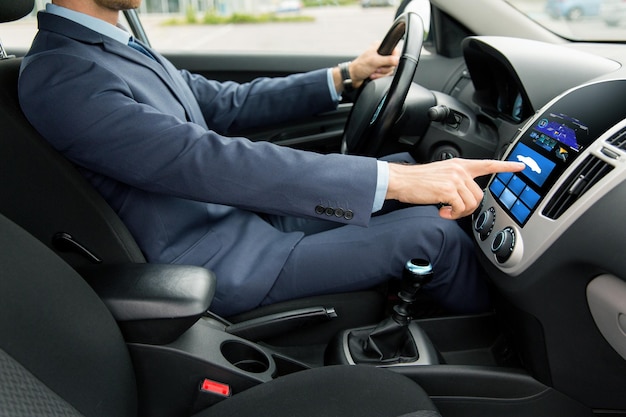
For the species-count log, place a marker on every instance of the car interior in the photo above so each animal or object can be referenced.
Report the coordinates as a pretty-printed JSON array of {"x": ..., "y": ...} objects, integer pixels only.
[{"x": 90, "y": 328}]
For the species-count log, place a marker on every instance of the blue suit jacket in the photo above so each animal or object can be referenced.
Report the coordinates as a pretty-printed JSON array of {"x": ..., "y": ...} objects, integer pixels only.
[{"x": 150, "y": 138}]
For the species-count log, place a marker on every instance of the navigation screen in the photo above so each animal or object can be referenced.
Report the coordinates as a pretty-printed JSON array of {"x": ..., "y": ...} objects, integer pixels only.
[
  {"x": 546, "y": 147},
  {"x": 562, "y": 129}
]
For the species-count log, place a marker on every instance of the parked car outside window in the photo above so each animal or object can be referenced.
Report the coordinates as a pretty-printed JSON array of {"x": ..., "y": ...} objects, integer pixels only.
[
  {"x": 572, "y": 9},
  {"x": 372, "y": 3},
  {"x": 580, "y": 20},
  {"x": 613, "y": 12}
]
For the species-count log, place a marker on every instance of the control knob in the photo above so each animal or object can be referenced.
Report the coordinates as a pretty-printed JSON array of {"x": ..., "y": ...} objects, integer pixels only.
[
  {"x": 503, "y": 244},
  {"x": 484, "y": 223}
]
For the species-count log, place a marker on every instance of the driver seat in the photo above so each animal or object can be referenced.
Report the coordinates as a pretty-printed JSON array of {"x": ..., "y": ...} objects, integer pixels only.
[
  {"x": 45, "y": 194},
  {"x": 61, "y": 353}
]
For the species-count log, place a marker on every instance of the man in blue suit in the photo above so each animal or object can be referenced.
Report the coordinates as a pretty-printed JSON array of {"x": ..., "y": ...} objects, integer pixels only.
[{"x": 272, "y": 222}]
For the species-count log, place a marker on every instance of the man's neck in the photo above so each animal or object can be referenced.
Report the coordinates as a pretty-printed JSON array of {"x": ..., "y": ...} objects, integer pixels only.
[{"x": 90, "y": 8}]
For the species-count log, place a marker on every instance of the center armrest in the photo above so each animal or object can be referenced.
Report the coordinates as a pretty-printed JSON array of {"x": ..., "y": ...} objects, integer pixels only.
[{"x": 153, "y": 303}]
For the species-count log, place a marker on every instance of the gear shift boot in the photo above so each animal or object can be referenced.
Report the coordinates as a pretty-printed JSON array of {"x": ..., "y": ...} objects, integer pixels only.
[
  {"x": 395, "y": 339},
  {"x": 386, "y": 343},
  {"x": 419, "y": 350}
]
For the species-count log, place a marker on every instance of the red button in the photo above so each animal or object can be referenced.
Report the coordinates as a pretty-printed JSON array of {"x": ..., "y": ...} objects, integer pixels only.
[{"x": 215, "y": 387}]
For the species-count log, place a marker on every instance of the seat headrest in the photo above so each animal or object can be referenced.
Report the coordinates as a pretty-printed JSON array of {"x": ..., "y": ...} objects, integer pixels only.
[{"x": 15, "y": 9}]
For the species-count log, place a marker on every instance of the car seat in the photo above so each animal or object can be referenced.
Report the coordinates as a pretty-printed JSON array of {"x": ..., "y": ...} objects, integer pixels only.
[{"x": 61, "y": 353}]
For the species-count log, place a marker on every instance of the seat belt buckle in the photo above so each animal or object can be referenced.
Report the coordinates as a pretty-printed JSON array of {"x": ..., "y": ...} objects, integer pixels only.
[{"x": 209, "y": 393}]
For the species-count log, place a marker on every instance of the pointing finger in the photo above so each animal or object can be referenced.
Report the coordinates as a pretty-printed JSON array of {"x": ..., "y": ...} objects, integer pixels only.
[{"x": 478, "y": 168}]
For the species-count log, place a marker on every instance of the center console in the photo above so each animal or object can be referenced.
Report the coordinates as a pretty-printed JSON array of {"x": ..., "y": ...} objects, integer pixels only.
[
  {"x": 203, "y": 366},
  {"x": 568, "y": 149},
  {"x": 187, "y": 360}
]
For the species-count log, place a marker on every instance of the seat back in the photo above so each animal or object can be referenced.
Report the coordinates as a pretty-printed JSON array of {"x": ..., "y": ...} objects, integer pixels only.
[
  {"x": 61, "y": 352},
  {"x": 46, "y": 195},
  {"x": 60, "y": 349},
  {"x": 42, "y": 191},
  {"x": 16, "y": 9}
]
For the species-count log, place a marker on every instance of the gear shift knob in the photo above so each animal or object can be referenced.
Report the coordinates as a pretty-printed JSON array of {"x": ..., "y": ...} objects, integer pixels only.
[{"x": 417, "y": 273}]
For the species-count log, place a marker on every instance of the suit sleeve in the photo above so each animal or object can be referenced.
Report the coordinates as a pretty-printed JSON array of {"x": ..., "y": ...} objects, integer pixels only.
[
  {"x": 90, "y": 114},
  {"x": 229, "y": 106}
]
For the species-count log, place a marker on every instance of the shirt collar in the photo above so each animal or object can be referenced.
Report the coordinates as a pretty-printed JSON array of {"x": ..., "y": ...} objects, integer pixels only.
[{"x": 90, "y": 22}]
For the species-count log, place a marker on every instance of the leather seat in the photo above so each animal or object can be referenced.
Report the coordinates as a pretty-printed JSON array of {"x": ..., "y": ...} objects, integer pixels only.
[
  {"x": 61, "y": 353},
  {"x": 46, "y": 195}
]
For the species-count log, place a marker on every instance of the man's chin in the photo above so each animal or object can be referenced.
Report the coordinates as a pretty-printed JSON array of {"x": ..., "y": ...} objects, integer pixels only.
[{"x": 119, "y": 5}]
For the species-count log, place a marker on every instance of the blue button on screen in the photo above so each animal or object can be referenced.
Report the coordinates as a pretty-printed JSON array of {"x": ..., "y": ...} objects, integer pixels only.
[
  {"x": 516, "y": 185},
  {"x": 508, "y": 198},
  {"x": 538, "y": 167},
  {"x": 505, "y": 177},
  {"x": 530, "y": 197},
  {"x": 520, "y": 211},
  {"x": 496, "y": 187}
]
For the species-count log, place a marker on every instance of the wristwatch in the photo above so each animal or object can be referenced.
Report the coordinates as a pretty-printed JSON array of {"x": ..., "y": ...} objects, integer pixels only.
[{"x": 344, "y": 70}]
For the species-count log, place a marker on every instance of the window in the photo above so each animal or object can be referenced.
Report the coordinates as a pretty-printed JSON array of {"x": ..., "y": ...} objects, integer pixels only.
[
  {"x": 583, "y": 20},
  {"x": 331, "y": 28},
  {"x": 314, "y": 26}
]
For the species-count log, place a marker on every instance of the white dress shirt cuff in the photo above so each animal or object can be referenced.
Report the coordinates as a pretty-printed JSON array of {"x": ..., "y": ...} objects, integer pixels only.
[
  {"x": 381, "y": 186},
  {"x": 331, "y": 86}
]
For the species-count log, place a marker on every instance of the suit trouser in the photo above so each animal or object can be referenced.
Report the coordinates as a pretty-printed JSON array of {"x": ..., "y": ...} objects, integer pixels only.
[{"x": 333, "y": 258}]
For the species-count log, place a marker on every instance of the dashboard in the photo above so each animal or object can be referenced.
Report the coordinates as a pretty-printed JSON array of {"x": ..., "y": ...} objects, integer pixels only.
[
  {"x": 551, "y": 236},
  {"x": 568, "y": 149}
]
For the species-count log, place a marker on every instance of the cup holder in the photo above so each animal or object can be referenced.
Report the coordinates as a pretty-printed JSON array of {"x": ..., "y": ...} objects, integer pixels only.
[{"x": 245, "y": 357}]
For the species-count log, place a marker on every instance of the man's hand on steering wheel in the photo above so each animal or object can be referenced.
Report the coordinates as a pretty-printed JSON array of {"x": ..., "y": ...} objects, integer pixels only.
[{"x": 369, "y": 65}]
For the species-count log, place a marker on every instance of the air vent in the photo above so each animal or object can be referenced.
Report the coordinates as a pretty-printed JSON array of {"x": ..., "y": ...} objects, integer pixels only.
[
  {"x": 618, "y": 139},
  {"x": 586, "y": 175}
]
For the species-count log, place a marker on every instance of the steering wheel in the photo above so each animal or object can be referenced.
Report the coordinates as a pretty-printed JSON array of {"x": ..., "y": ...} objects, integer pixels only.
[{"x": 379, "y": 102}]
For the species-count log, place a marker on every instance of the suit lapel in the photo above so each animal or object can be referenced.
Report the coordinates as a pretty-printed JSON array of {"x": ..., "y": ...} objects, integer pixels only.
[{"x": 160, "y": 66}]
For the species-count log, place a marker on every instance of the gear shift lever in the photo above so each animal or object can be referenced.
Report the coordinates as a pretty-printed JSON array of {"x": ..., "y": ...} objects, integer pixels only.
[
  {"x": 391, "y": 341},
  {"x": 416, "y": 274}
]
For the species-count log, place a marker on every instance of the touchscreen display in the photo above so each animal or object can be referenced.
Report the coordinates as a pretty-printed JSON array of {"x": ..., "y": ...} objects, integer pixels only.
[
  {"x": 554, "y": 141},
  {"x": 546, "y": 148}
]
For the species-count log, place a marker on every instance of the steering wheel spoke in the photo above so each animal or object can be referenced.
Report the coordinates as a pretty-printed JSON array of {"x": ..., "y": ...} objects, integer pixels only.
[{"x": 379, "y": 102}]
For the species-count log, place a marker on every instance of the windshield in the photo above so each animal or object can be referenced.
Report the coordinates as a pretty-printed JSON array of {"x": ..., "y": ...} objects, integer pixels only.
[
  {"x": 321, "y": 26},
  {"x": 580, "y": 20}
]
